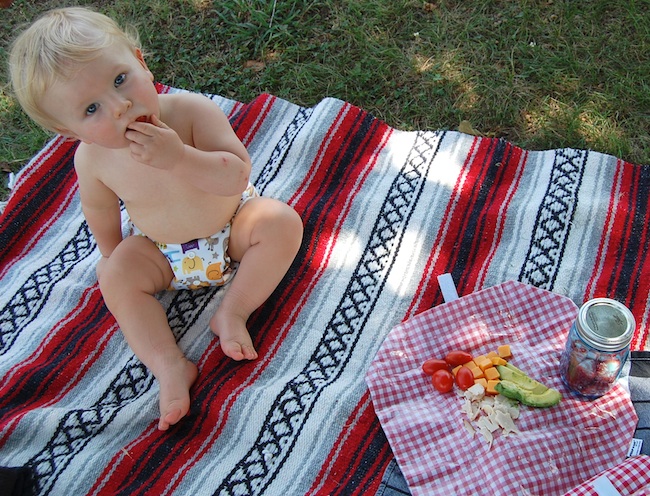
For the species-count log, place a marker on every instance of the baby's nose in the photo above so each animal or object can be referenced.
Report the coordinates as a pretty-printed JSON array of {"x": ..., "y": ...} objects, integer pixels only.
[{"x": 121, "y": 107}]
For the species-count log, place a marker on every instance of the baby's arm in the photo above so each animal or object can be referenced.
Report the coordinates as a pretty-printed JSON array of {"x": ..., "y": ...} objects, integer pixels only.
[
  {"x": 100, "y": 207},
  {"x": 196, "y": 143}
]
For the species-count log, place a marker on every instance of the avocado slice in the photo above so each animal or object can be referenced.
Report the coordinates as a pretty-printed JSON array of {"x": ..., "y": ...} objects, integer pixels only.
[{"x": 517, "y": 385}]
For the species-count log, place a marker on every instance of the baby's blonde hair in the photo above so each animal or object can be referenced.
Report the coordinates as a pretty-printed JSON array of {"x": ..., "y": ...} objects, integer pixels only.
[{"x": 53, "y": 48}]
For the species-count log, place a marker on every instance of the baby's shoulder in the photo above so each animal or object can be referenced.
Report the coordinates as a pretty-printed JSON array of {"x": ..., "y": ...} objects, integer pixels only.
[
  {"x": 89, "y": 159},
  {"x": 183, "y": 99},
  {"x": 187, "y": 106}
]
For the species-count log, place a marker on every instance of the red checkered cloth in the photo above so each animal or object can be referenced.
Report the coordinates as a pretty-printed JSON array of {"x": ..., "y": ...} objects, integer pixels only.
[
  {"x": 632, "y": 477},
  {"x": 558, "y": 447}
]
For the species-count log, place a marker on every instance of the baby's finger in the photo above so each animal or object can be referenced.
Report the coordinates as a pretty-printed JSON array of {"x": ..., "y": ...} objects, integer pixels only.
[
  {"x": 157, "y": 122},
  {"x": 139, "y": 153},
  {"x": 139, "y": 128},
  {"x": 135, "y": 136}
]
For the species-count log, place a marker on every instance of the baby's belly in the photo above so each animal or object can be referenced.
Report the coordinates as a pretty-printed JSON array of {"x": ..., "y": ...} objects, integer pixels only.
[{"x": 179, "y": 222}]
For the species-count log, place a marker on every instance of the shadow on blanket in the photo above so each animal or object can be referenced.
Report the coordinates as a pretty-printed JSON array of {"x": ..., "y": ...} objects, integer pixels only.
[{"x": 385, "y": 212}]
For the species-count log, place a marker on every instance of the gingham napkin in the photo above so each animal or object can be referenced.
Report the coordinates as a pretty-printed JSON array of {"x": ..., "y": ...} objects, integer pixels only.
[
  {"x": 631, "y": 477},
  {"x": 558, "y": 447}
]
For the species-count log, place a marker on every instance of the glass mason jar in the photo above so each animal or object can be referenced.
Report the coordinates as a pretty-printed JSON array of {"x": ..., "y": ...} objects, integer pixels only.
[{"x": 597, "y": 347}]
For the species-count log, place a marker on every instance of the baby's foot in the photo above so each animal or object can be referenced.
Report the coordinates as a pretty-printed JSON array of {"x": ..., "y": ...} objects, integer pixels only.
[
  {"x": 175, "y": 382},
  {"x": 233, "y": 335}
]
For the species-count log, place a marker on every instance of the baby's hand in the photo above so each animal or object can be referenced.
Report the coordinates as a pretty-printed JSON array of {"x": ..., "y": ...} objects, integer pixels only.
[{"x": 155, "y": 143}]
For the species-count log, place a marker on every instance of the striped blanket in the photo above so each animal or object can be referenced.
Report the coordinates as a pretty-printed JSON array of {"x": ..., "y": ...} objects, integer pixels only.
[{"x": 385, "y": 212}]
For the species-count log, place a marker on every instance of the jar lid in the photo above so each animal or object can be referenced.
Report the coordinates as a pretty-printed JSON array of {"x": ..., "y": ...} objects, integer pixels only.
[{"x": 606, "y": 324}]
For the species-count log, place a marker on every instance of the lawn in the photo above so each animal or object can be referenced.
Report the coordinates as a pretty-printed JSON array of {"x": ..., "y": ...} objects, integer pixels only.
[{"x": 539, "y": 73}]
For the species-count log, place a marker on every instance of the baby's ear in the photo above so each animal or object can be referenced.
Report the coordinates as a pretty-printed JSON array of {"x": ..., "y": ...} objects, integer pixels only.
[{"x": 139, "y": 55}]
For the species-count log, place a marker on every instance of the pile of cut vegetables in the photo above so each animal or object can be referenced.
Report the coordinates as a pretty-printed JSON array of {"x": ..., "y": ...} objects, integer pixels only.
[
  {"x": 461, "y": 368},
  {"x": 490, "y": 406}
]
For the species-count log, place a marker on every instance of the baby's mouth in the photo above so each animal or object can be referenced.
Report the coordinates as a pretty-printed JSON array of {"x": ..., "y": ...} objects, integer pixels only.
[{"x": 144, "y": 118}]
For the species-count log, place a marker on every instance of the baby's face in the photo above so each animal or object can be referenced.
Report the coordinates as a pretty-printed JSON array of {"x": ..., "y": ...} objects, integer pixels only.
[{"x": 104, "y": 96}]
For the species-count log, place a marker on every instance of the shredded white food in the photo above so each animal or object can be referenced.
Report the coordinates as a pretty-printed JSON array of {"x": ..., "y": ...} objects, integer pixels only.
[{"x": 489, "y": 414}]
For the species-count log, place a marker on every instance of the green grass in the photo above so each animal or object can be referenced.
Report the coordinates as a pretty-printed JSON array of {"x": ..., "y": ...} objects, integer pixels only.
[{"x": 540, "y": 73}]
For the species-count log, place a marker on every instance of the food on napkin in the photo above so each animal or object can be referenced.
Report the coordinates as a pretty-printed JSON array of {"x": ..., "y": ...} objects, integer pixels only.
[
  {"x": 516, "y": 385},
  {"x": 489, "y": 414},
  {"x": 569, "y": 442},
  {"x": 493, "y": 373}
]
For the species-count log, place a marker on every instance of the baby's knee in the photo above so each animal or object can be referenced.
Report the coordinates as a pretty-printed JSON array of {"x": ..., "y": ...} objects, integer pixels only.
[
  {"x": 108, "y": 277},
  {"x": 293, "y": 225},
  {"x": 286, "y": 227},
  {"x": 135, "y": 265},
  {"x": 99, "y": 270}
]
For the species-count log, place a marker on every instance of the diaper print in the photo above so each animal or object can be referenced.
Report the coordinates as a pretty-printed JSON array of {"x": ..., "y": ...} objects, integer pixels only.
[{"x": 192, "y": 263}]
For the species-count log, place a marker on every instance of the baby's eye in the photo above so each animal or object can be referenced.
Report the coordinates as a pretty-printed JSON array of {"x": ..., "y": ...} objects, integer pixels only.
[
  {"x": 119, "y": 80},
  {"x": 91, "y": 109}
]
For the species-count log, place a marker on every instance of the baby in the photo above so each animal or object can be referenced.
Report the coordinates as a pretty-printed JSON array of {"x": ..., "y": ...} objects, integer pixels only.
[{"x": 183, "y": 176}]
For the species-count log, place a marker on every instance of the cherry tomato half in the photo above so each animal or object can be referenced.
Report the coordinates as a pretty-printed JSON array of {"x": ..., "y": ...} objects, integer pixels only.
[
  {"x": 442, "y": 380},
  {"x": 464, "y": 378},
  {"x": 457, "y": 357},
  {"x": 433, "y": 364}
]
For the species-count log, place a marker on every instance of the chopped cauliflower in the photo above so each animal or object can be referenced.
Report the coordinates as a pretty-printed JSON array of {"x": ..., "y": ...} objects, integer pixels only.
[
  {"x": 489, "y": 414},
  {"x": 469, "y": 427},
  {"x": 475, "y": 392}
]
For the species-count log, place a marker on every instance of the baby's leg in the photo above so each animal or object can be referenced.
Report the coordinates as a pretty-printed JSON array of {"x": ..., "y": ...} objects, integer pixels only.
[
  {"x": 265, "y": 237},
  {"x": 135, "y": 271}
]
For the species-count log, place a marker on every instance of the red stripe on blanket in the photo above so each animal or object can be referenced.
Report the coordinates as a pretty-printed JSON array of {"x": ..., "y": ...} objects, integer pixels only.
[
  {"x": 503, "y": 171},
  {"x": 162, "y": 88},
  {"x": 356, "y": 471},
  {"x": 248, "y": 120},
  {"x": 622, "y": 267},
  {"x": 473, "y": 222},
  {"x": 323, "y": 201},
  {"x": 38, "y": 381},
  {"x": 44, "y": 190}
]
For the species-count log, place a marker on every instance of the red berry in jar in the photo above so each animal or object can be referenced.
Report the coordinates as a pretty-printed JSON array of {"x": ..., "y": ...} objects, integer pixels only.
[{"x": 581, "y": 373}]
